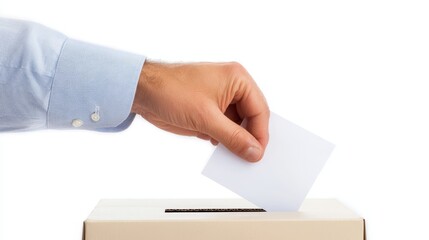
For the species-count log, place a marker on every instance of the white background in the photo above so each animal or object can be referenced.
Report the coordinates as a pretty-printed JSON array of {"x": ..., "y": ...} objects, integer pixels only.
[{"x": 353, "y": 72}]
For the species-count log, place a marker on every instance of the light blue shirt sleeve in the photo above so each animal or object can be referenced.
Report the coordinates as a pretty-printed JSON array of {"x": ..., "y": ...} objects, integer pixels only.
[{"x": 48, "y": 80}]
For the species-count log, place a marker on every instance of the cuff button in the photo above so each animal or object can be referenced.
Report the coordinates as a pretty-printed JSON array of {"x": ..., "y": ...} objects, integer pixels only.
[
  {"x": 77, "y": 123},
  {"x": 95, "y": 117}
]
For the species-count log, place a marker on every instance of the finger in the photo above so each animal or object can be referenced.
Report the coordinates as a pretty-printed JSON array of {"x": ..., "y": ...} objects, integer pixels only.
[
  {"x": 258, "y": 126},
  {"x": 234, "y": 137},
  {"x": 203, "y": 136},
  {"x": 254, "y": 108},
  {"x": 214, "y": 142},
  {"x": 255, "y": 125}
]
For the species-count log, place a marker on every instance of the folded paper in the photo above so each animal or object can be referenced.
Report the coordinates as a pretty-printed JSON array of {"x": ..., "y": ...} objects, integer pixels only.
[{"x": 281, "y": 180}]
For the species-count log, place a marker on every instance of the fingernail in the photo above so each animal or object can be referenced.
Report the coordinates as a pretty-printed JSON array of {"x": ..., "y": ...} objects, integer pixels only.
[{"x": 252, "y": 154}]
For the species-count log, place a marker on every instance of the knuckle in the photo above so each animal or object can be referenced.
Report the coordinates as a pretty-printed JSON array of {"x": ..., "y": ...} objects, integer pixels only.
[
  {"x": 237, "y": 79},
  {"x": 236, "y": 68}
]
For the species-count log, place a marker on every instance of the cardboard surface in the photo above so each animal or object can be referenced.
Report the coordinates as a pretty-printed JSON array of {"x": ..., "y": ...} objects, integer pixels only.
[{"x": 320, "y": 219}]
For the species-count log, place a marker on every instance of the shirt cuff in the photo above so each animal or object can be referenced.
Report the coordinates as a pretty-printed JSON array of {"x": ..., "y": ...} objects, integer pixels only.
[{"x": 93, "y": 88}]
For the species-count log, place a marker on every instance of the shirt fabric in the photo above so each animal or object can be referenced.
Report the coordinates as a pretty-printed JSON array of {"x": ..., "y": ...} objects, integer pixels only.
[{"x": 48, "y": 80}]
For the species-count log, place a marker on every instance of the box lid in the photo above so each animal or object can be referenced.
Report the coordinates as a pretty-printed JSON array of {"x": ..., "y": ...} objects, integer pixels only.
[
  {"x": 154, "y": 209},
  {"x": 321, "y": 219}
]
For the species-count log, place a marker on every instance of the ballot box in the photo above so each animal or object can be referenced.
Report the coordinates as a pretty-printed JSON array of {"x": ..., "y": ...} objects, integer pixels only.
[{"x": 220, "y": 219}]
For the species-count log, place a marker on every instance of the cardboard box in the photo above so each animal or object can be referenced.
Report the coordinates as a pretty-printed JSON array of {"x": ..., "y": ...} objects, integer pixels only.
[{"x": 220, "y": 219}]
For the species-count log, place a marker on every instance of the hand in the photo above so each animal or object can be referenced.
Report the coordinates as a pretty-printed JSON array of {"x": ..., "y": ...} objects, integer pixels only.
[{"x": 207, "y": 100}]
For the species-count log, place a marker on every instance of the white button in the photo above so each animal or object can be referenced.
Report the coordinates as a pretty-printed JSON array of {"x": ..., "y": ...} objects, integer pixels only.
[
  {"x": 77, "y": 123},
  {"x": 95, "y": 117}
]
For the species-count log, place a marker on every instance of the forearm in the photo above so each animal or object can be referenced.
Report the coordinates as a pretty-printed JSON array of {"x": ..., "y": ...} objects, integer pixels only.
[{"x": 50, "y": 81}]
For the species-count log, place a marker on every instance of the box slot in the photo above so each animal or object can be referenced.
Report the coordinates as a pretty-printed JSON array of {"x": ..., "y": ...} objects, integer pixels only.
[{"x": 206, "y": 210}]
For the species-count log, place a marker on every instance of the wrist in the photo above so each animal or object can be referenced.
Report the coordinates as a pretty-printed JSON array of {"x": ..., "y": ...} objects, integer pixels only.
[{"x": 147, "y": 74}]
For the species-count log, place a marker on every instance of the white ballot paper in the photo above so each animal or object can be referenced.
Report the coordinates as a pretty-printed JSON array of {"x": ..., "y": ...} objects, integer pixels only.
[{"x": 281, "y": 180}]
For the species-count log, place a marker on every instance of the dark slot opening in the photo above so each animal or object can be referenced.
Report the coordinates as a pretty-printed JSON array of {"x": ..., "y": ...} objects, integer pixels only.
[{"x": 207, "y": 210}]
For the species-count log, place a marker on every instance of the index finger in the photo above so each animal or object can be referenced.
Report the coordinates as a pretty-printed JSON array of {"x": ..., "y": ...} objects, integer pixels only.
[{"x": 254, "y": 108}]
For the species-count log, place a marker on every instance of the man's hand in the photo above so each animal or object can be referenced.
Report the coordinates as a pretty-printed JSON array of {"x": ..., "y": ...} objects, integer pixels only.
[{"x": 207, "y": 100}]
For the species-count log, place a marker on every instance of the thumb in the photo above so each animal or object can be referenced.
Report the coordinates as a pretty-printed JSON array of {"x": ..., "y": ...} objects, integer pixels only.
[{"x": 237, "y": 139}]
